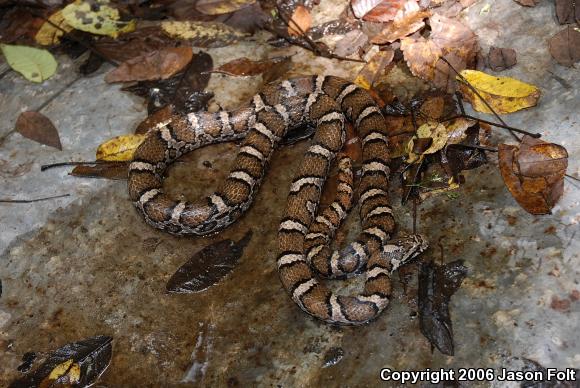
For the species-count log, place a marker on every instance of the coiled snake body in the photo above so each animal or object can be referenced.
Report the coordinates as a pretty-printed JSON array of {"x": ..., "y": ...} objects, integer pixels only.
[{"x": 304, "y": 234}]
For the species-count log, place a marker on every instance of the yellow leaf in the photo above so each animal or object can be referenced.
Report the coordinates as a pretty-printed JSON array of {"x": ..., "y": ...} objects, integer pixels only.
[
  {"x": 69, "y": 368},
  {"x": 120, "y": 148},
  {"x": 48, "y": 34},
  {"x": 203, "y": 34},
  {"x": 96, "y": 17},
  {"x": 433, "y": 130},
  {"x": 503, "y": 94}
]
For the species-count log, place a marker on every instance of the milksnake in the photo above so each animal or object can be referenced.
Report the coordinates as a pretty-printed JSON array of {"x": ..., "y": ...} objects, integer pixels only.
[{"x": 305, "y": 232}]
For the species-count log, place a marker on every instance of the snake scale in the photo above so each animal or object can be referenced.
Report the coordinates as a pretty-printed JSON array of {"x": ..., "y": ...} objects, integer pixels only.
[{"x": 305, "y": 232}]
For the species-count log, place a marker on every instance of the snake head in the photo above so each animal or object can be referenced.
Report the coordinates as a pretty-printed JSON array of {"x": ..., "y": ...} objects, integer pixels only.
[{"x": 401, "y": 250}]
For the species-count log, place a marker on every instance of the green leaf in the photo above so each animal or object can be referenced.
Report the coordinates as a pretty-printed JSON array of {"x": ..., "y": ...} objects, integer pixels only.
[{"x": 34, "y": 64}]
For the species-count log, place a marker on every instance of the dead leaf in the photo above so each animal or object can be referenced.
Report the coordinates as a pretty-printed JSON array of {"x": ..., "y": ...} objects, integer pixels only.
[
  {"x": 120, "y": 148},
  {"x": 503, "y": 94},
  {"x": 203, "y": 34},
  {"x": 534, "y": 173},
  {"x": 219, "y": 7},
  {"x": 565, "y": 46},
  {"x": 385, "y": 11},
  {"x": 528, "y": 3},
  {"x": 159, "y": 64},
  {"x": 158, "y": 117},
  {"x": 499, "y": 59},
  {"x": 106, "y": 170},
  {"x": 208, "y": 266},
  {"x": 48, "y": 34},
  {"x": 350, "y": 43},
  {"x": 361, "y": 7},
  {"x": 449, "y": 39},
  {"x": 407, "y": 21},
  {"x": 436, "y": 286},
  {"x": 300, "y": 22},
  {"x": 184, "y": 91},
  {"x": 277, "y": 71},
  {"x": 567, "y": 11},
  {"x": 38, "y": 127},
  {"x": 247, "y": 67},
  {"x": 139, "y": 42},
  {"x": 75, "y": 364},
  {"x": 373, "y": 68}
]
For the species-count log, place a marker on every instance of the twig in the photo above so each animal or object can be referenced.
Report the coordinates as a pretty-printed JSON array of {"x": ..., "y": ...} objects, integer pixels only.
[
  {"x": 64, "y": 164},
  {"x": 33, "y": 200},
  {"x": 534, "y": 135}
]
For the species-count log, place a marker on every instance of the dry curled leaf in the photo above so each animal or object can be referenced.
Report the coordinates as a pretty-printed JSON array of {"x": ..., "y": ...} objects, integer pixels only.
[
  {"x": 361, "y": 7},
  {"x": 48, "y": 34},
  {"x": 534, "y": 173},
  {"x": 139, "y": 42},
  {"x": 374, "y": 68},
  {"x": 385, "y": 11},
  {"x": 38, "y": 127},
  {"x": 159, "y": 64},
  {"x": 499, "y": 59},
  {"x": 203, "y": 34},
  {"x": 503, "y": 94},
  {"x": 246, "y": 67},
  {"x": 565, "y": 46},
  {"x": 407, "y": 21},
  {"x": 449, "y": 39},
  {"x": 300, "y": 22},
  {"x": 219, "y": 7}
]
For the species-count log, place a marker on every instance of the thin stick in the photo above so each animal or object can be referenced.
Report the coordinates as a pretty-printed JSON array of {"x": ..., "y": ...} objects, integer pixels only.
[
  {"x": 534, "y": 135},
  {"x": 33, "y": 200},
  {"x": 64, "y": 164}
]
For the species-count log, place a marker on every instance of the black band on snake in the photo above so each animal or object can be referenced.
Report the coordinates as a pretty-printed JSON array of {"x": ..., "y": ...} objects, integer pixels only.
[{"x": 305, "y": 232}]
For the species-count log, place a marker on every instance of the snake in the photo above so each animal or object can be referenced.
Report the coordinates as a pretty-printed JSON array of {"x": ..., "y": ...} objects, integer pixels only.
[{"x": 305, "y": 257}]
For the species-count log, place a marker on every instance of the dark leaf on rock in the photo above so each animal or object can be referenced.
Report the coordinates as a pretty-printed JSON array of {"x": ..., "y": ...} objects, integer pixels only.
[
  {"x": 127, "y": 46},
  {"x": 89, "y": 358},
  {"x": 185, "y": 91},
  {"x": 565, "y": 46},
  {"x": 159, "y": 64},
  {"x": 567, "y": 11},
  {"x": 333, "y": 356},
  {"x": 465, "y": 155},
  {"x": 39, "y": 128},
  {"x": 436, "y": 286},
  {"x": 92, "y": 64},
  {"x": 528, "y": 3},
  {"x": 27, "y": 361},
  {"x": 534, "y": 173},
  {"x": 208, "y": 266},
  {"x": 107, "y": 170},
  {"x": 500, "y": 59},
  {"x": 276, "y": 72},
  {"x": 534, "y": 366},
  {"x": 249, "y": 19},
  {"x": 247, "y": 67}
]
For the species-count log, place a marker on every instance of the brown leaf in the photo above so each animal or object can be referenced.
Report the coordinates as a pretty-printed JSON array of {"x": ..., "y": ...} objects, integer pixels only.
[
  {"x": 567, "y": 11},
  {"x": 246, "y": 67},
  {"x": 362, "y": 7},
  {"x": 139, "y": 42},
  {"x": 534, "y": 173},
  {"x": 208, "y": 266},
  {"x": 219, "y": 7},
  {"x": 155, "y": 118},
  {"x": 528, "y": 3},
  {"x": 565, "y": 46},
  {"x": 400, "y": 28},
  {"x": 499, "y": 59},
  {"x": 449, "y": 39},
  {"x": 159, "y": 64},
  {"x": 350, "y": 43},
  {"x": 39, "y": 128},
  {"x": 107, "y": 170},
  {"x": 385, "y": 11},
  {"x": 374, "y": 68},
  {"x": 300, "y": 22},
  {"x": 277, "y": 71}
]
